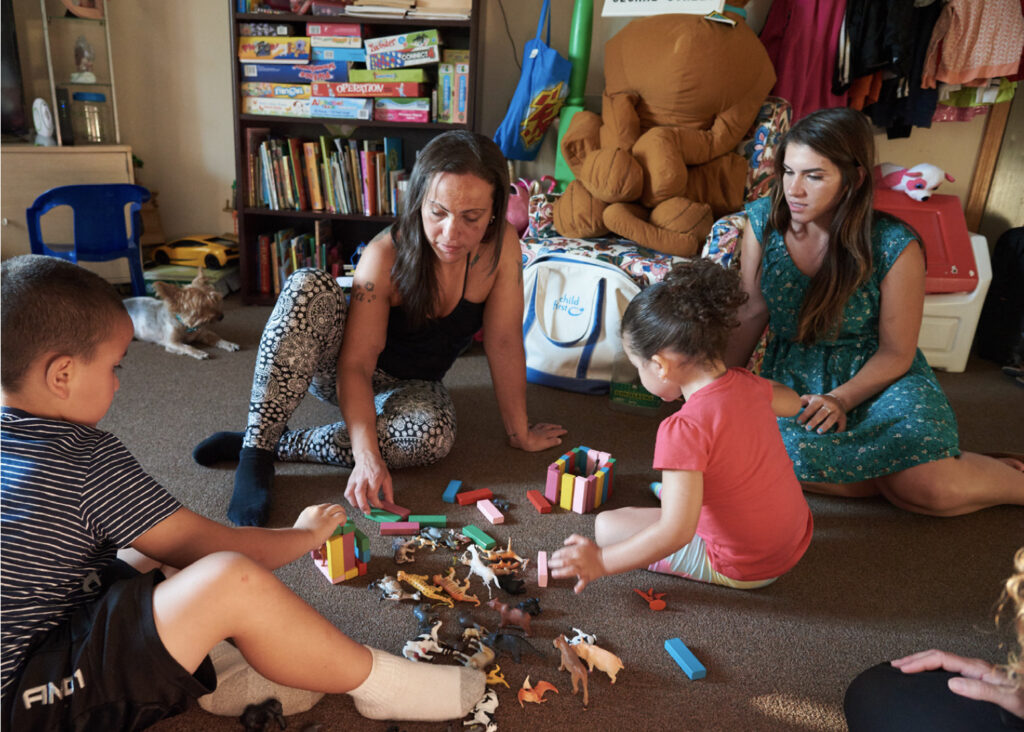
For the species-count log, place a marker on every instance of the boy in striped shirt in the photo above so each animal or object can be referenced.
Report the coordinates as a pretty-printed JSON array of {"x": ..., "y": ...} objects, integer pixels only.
[{"x": 89, "y": 642}]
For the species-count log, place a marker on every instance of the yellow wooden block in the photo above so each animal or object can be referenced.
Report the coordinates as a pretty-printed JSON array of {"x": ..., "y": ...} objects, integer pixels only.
[
  {"x": 336, "y": 557},
  {"x": 354, "y": 572},
  {"x": 598, "y": 488},
  {"x": 565, "y": 497}
]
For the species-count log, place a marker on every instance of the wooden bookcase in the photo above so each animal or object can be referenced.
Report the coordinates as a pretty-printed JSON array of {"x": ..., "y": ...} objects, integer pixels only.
[{"x": 350, "y": 229}]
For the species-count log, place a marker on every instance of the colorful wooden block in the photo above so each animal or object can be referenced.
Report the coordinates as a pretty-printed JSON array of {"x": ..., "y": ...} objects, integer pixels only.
[
  {"x": 343, "y": 555},
  {"x": 490, "y": 511},
  {"x": 542, "y": 569},
  {"x": 539, "y": 501},
  {"x": 380, "y": 515},
  {"x": 565, "y": 497},
  {"x": 479, "y": 537},
  {"x": 599, "y": 488},
  {"x": 579, "y": 494},
  {"x": 454, "y": 486},
  {"x": 399, "y": 528},
  {"x": 471, "y": 497},
  {"x": 686, "y": 660},
  {"x": 438, "y": 520},
  {"x": 402, "y": 513},
  {"x": 553, "y": 483},
  {"x": 348, "y": 544}
]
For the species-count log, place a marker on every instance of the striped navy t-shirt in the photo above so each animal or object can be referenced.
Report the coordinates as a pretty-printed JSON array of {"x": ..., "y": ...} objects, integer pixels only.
[{"x": 70, "y": 497}]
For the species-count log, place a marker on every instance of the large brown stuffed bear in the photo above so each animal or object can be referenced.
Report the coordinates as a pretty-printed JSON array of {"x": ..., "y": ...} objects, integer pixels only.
[{"x": 658, "y": 166}]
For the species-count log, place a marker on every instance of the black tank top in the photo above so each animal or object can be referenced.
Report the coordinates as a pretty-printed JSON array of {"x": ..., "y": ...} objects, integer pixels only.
[{"x": 428, "y": 352}]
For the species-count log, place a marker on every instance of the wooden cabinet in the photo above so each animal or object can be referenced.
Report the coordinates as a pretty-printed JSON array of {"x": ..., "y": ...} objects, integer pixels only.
[
  {"x": 347, "y": 229},
  {"x": 28, "y": 171}
]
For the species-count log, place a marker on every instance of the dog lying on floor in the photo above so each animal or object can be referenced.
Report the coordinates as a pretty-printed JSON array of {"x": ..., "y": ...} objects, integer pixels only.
[{"x": 179, "y": 317}]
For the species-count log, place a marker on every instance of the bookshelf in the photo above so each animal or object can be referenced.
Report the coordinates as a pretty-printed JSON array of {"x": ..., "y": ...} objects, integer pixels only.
[{"x": 348, "y": 229}]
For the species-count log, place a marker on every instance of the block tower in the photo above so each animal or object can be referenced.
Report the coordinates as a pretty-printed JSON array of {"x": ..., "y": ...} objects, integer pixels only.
[
  {"x": 343, "y": 556},
  {"x": 580, "y": 480}
]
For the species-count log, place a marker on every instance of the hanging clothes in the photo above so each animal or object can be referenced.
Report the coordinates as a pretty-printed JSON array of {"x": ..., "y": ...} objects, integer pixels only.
[
  {"x": 801, "y": 37},
  {"x": 974, "y": 42},
  {"x": 877, "y": 35},
  {"x": 902, "y": 103}
]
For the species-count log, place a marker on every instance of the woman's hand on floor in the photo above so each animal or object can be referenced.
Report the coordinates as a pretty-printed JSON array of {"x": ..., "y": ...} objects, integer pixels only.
[
  {"x": 978, "y": 679},
  {"x": 538, "y": 437}
]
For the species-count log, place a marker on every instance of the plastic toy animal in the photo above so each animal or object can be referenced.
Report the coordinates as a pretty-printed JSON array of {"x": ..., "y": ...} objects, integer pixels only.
[
  {"x": 534, "y": 694},
  {"x": 511, "y": 585},
  {"x": 582, "y": 637},
  {"x": 257, "y": 717},
  {"x": 531, "y": 606},
  {"x": 419, "y": 581},
  {"x": 653, "y": 598},
  {"x": 424, "y": 646},
  {"x": 495, "y": 677},
  {"x": 598, "y": 657},
  {"x": 449, "y": 584},
  {"x": 404, "y": 549},
  {"x": 483, "y": 655},
  {"x": 426, "y": 616},
  {"x": 391, "y": 589},
  {"x": 571, "y": 662},
  {"x": 477, "y": 567},
  {"x": 483, "y": 712},
  {"x": 918, "y": 182},
  {"x": 511, "y": 615},
  {"x": 509, "y": 643}
]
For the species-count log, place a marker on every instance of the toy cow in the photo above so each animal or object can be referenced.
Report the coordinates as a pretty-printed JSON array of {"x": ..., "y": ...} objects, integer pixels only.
[{"x": 918, "y": 182}]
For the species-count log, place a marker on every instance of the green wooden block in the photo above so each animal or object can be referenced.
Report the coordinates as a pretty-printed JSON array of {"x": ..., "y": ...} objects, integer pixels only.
[
  {"x": 381, "y": 516},
  {"x": 440, "y": 521},
  {"x": 481, "y": 539}
]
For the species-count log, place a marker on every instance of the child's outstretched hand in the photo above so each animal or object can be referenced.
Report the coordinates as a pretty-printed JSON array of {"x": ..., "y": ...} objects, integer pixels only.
[
  {"x": 580, "y": 557},
  {"x": 321, "y": 520}
]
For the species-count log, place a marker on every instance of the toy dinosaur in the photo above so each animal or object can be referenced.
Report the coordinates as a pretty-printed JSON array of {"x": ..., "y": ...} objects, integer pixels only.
[
  {"x": 449, "y": 584},
  {"x": 421, "y": 583},
  {"x": 534, "y": 694}
]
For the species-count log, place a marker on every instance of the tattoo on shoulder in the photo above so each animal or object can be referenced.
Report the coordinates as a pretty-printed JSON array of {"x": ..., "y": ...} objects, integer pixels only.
[
  {"x": 476, "y": 258},
  {"x": 364, "y": 293}
]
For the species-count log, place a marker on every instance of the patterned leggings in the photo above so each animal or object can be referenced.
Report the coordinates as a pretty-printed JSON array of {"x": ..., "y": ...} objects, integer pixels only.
[{"x": 299, "y": 352}]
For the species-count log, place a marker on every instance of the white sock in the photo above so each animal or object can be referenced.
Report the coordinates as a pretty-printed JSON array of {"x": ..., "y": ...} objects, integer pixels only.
[
  {"x": 239, "y": 685},
  {"x": 403, "y": 690}
]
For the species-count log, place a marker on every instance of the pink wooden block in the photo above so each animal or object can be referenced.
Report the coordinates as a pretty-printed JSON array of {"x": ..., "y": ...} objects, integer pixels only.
[
  {"x": 399, "y": 528},
  {"x": 593, "y": 461},
  {"x": 542, "y": 569},
  {"x": 491, "y": 511},
  {"x": 397, "y": 510},
  {"x": 553, "y": 483},
  {"x": 579, "y": 491}
]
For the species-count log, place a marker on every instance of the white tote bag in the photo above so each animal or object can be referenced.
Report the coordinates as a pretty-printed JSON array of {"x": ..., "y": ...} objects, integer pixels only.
[{"x": 571, "y": 320}]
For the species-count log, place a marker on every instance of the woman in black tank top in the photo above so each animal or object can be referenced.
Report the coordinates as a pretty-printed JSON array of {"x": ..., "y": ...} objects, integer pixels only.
[{"x": 422, "y": 289}]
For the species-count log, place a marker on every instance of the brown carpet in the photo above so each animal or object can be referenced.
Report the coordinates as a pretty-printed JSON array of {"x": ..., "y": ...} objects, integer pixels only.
[{"x": 876, "y": 582}]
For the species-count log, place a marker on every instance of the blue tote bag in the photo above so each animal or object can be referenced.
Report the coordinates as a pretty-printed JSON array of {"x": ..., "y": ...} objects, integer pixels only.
[{"x": 542, "y": 89}]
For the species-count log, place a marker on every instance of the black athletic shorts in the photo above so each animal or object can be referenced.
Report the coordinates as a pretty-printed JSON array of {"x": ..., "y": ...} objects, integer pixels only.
[{"x": 105, "y": 668}]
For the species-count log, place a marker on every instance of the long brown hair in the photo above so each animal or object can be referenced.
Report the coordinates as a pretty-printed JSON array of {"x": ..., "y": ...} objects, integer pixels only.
[
  {"x": 458, "y": 152},
  {"x": 845, "y": 137}
]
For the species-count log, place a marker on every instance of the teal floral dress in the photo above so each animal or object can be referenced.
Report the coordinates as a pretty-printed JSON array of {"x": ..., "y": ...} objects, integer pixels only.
[{"x": 908, "y": 423}]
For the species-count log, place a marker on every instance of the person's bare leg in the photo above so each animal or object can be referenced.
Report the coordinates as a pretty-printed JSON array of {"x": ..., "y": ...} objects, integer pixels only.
[
  {"x": 227, "y": 595},
  {"x": 955, "y": 486},
  {"x": 611, "y": 527}
]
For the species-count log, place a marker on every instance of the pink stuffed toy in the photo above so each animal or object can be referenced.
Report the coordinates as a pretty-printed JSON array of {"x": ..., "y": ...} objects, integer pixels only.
[
  {"x": 518, "y": 212},
  {"x": 918, "y": 182}
]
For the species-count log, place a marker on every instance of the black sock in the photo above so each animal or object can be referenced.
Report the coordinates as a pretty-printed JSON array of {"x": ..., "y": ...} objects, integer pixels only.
[
  {"x": 253, "y": 480},
  {"x": 218, "y": 447}
]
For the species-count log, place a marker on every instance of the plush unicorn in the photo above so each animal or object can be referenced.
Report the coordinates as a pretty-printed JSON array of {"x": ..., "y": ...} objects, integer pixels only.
[{"x": 918, "y": 182}]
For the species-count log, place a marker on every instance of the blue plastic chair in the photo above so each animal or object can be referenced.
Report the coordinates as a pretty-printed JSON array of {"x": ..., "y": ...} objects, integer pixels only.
[{"x": 99, "y": 225}]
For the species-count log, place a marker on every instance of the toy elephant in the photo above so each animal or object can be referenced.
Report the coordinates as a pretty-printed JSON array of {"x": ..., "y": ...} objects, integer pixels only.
[{"x": 658, "y": 164}]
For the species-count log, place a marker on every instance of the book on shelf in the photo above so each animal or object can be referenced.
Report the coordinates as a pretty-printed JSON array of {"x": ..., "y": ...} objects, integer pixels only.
[
  {"x": 266, "y": 277},
  {"x": 329, "y": 7},
  {"x": 298, "y": 167},
  {"x": 328, "y": 183},
  {"x": 309, "y": 155},
  {"x": 369, "y": 179},
  {"x": 253, "y": 137}
]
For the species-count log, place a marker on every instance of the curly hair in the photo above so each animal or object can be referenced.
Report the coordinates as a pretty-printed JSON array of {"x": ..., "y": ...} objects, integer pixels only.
[
  {"x": 690, "y": 312},
  {"x": 49, "y": 305},
  {"x": 1012, "y": 604}
]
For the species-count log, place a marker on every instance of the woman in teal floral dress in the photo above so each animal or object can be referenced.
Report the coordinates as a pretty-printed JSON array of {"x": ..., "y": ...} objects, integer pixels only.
[{"x": 843, "y": 291}]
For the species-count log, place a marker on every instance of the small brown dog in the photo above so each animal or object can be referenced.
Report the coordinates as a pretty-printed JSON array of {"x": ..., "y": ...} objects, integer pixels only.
[{"x": 179, "y": 317}]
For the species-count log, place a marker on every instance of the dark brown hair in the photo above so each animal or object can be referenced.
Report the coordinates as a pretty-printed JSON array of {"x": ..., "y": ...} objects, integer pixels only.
[
  {"x": 458, "y": 152},
  {"x": 845, "y": 137},
  {"x": 690, "y": 312},
  {"x": 49, "y": 305}
]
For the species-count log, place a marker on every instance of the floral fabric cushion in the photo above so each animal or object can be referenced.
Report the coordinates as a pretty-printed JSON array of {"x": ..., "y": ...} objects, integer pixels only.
[{"x": 772, "y": 122}]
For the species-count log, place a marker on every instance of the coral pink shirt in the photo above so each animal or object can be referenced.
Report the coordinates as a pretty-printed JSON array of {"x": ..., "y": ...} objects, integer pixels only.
[{"x": 754, "y": 518}]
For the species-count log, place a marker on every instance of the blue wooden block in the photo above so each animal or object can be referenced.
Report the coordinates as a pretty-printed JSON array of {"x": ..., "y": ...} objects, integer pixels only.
[
  {"x": 454, "y": 487},
  {"x": 686, "y": 660}
]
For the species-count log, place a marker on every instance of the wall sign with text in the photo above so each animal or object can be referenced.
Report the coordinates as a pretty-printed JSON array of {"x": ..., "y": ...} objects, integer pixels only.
[{"x": 617, "y": 8}]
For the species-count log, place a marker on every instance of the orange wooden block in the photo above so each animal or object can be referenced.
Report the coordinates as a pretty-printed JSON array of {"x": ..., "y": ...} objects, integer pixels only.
[{"x": 465, "y": 499}]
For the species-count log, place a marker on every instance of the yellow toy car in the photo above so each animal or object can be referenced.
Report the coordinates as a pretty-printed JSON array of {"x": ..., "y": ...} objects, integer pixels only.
[{"x": 211, "y": 252}]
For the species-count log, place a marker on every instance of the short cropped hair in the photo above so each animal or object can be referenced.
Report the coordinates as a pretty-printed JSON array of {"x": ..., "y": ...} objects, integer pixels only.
[
  {"x": 49, "y": 305},
  {"x": 691, "y": 312}
]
